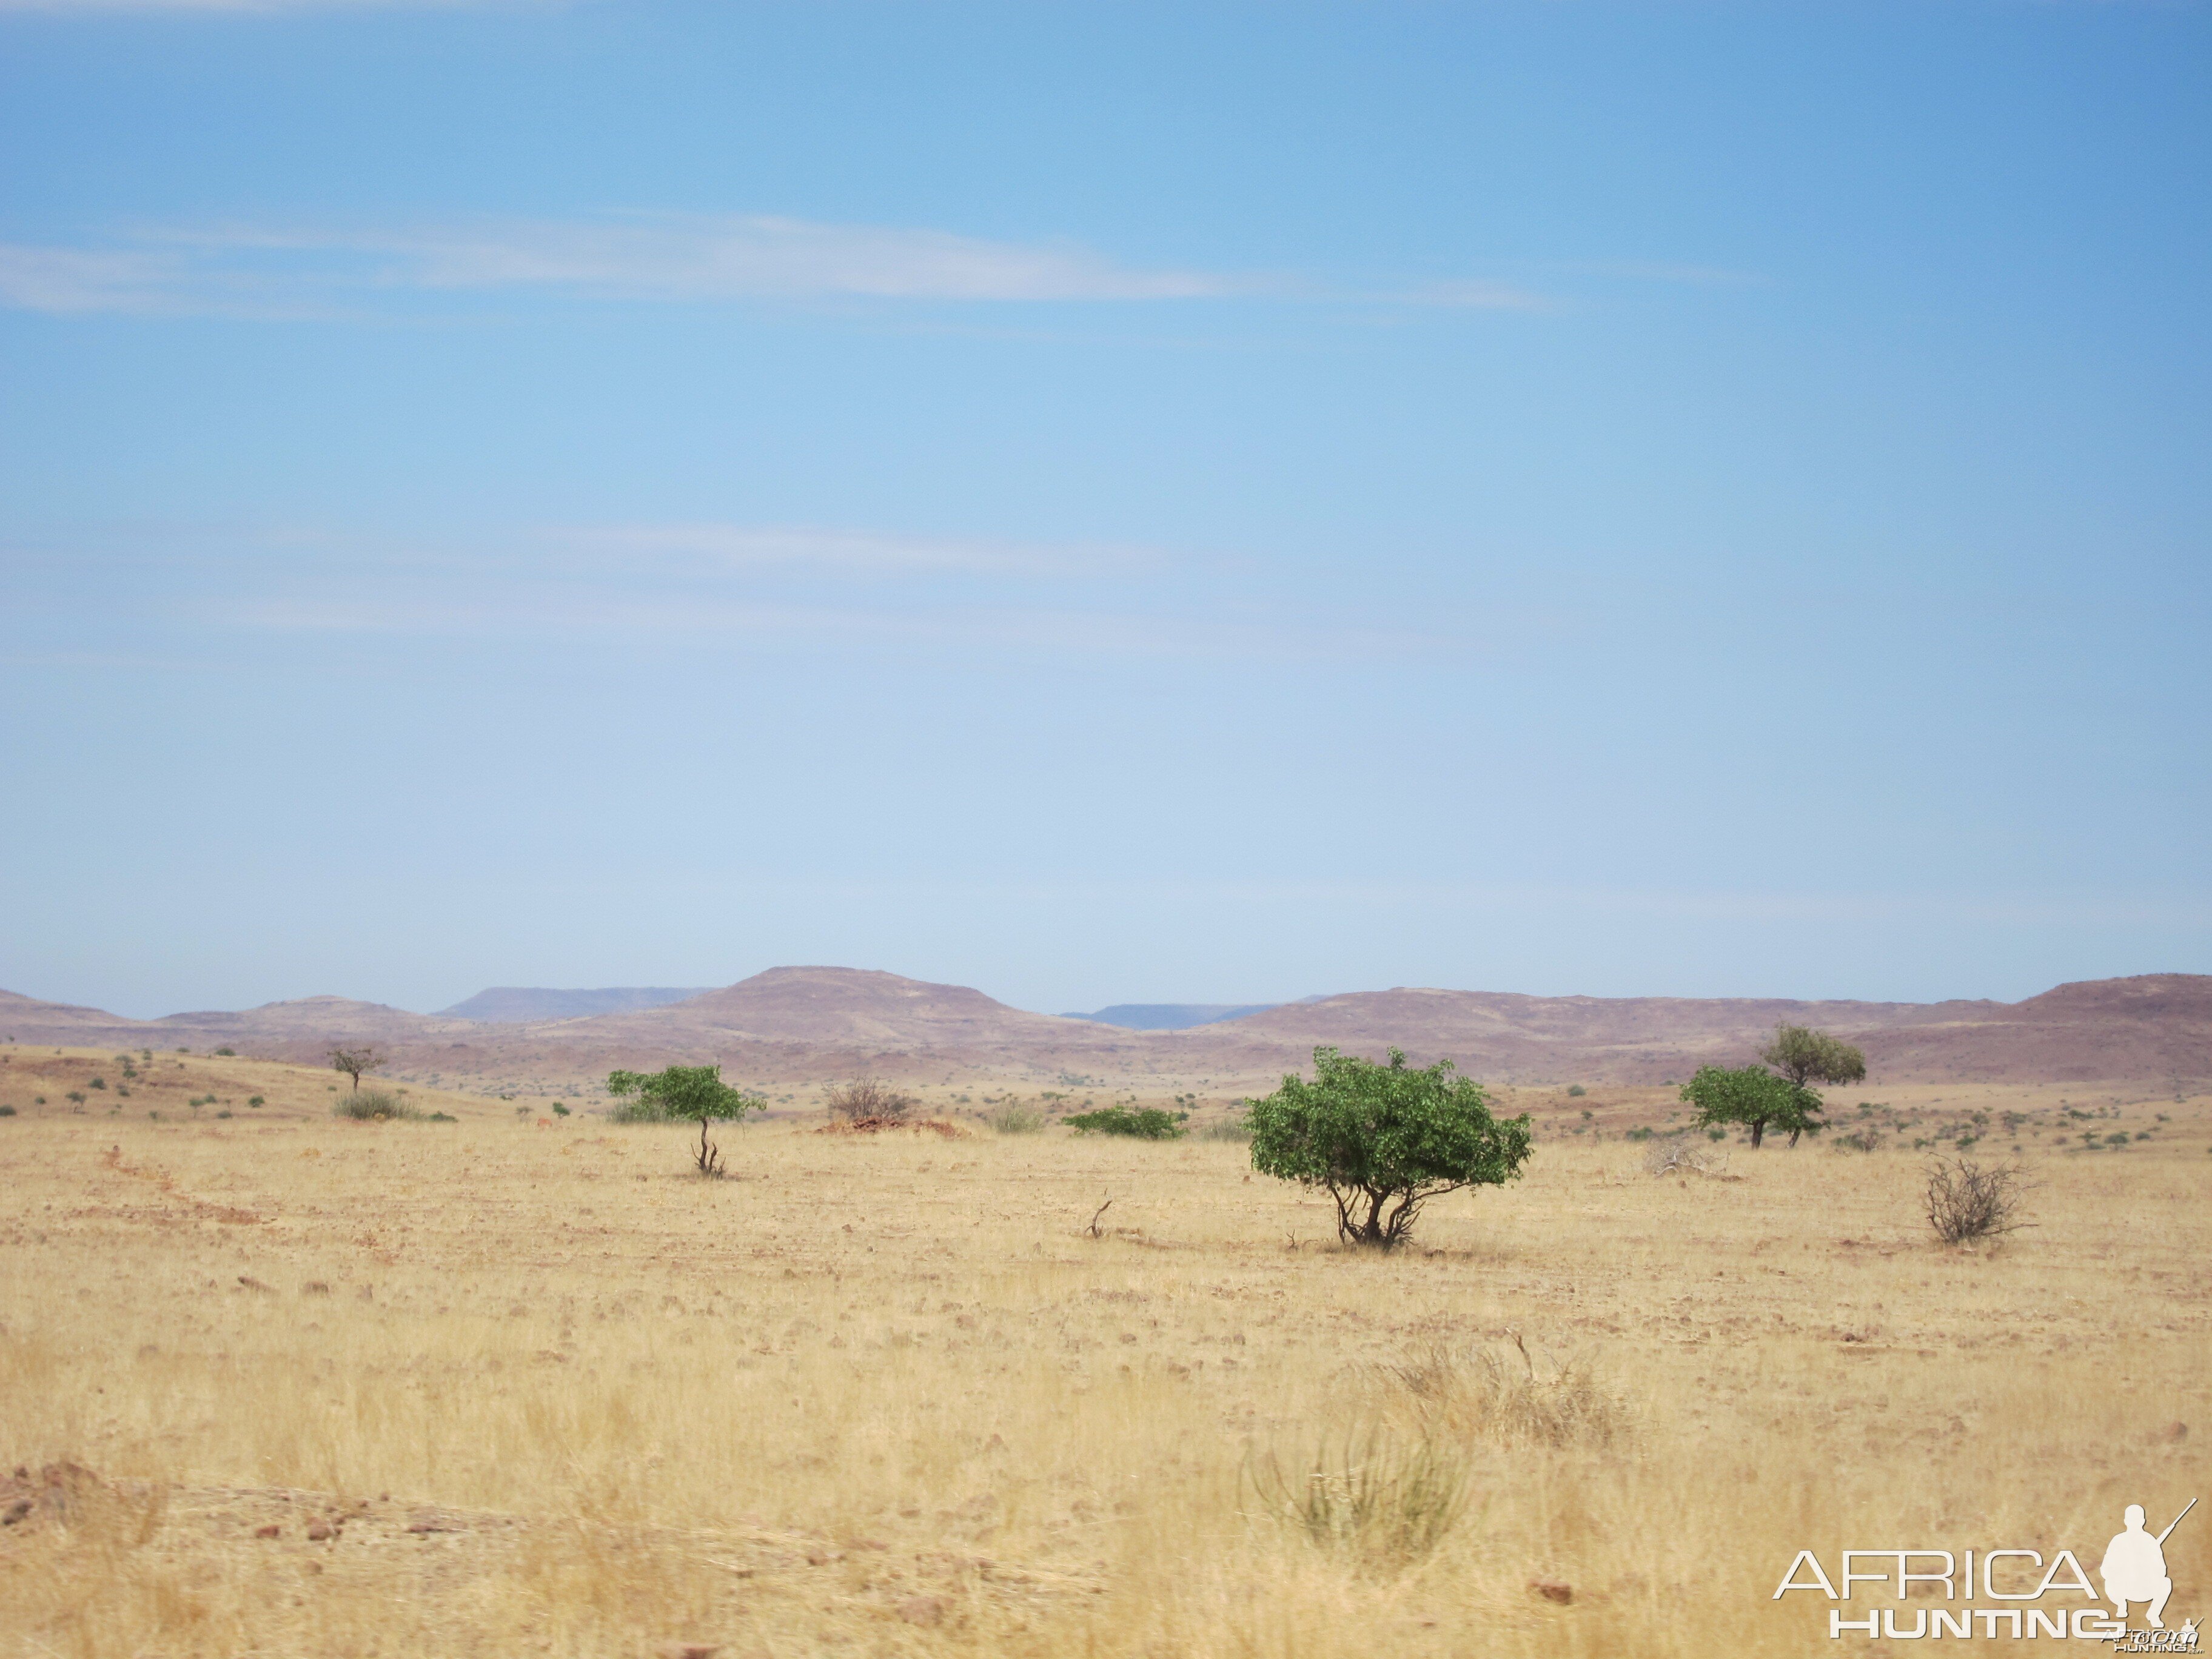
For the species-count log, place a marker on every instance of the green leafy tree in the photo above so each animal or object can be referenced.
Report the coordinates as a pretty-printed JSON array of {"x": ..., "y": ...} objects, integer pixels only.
[
  {"x": 677, "y": 1093},
  {"x": 1804, "y": 1055},
  {"x": 1755, "y": 1097},
  {"x": 1383, "y": 1139}
]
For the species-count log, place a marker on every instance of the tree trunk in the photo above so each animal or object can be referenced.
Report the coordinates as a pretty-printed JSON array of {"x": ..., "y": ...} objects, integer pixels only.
[
  {"x": 1793, "y": 1133},
  {"x": 1758, "y": 1131}
]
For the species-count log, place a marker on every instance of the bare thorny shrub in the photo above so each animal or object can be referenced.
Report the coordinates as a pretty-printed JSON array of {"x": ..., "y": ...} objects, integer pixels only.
[
  {"x": 868, "y": 1100},
  {"x": 1389, "y": 1490},
  {"x": 1966, "y": 1201}
]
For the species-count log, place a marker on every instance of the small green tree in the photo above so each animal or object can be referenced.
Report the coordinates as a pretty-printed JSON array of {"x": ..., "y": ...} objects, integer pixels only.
[
  {"x": 1755, "y": 1097},
  {"x": 1383, "y": 1139},
  {"x": 677, "y": 1093},
  {"x": 1804, "y": 1055}
]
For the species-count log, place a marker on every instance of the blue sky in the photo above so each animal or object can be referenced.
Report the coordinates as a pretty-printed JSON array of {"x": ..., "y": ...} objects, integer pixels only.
[{"x": 1103, "y": 503}]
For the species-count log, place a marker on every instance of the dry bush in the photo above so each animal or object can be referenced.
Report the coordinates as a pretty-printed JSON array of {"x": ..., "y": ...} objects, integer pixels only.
[
  {"x": 1507, "y": 1396},
  {"x": 374, "y": 1106},
  {"x": 1682, "y": 1154},
  {"x": 1966, "y": 1201},
  {"x": 868, "y": 1099},
  {"x": 1014, "y": 1118},
  {"x": 1386, "y": 1493}
]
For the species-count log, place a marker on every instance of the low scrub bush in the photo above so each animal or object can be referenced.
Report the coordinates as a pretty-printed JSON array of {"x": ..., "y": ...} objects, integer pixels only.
[
  {"x": 1234, "y": 1126},
  {"x": 1386, "y": 1492},
  {"x": 7, "y": 1111},
  {"x": 1014, "y": 1118},
  {"x": 374, "y": 1106},
  {"x": 1966, "y": 1201},
  {"x": 1148, "y": 1123}
]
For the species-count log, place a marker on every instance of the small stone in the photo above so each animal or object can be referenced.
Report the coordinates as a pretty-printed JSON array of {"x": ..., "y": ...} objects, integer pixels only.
[
  {"x": 272, "y": 1530},
  {"x": 321, "y": 1532},
  {"x": 689, "y": 1650},
  {"x": 922, "y": 1610},
  {"x": 1553, "y": 1590}
]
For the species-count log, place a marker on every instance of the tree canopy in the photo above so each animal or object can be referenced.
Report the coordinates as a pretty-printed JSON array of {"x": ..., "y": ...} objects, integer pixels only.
[
  {"x": 680, "y": 1092},
  {"x": 1804, "y": 1055},
  {"x": 354, "y": 1062},
  {"x": 1383, "y": 1139},
  {"x": 1753, "y": 1096}
]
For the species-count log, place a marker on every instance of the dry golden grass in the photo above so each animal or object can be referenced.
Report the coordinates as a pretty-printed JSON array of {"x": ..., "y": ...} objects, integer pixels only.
[{"x": 552, "y": 1393}]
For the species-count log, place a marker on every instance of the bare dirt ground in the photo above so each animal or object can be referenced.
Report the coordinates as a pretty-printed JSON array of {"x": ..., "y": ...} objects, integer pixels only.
[{"x": 275, "y": 1383}]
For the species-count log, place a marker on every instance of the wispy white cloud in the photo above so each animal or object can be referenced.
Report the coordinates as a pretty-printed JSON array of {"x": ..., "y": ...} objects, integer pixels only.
[
  {"x": 293, "y": 269},
  {"x": 694, "y": 584},
  {"x": 809, "y": 547},
  {"x": 1478, "y": 295},
  {"x": 697, "y": 258},
  {"x": 84, "y": 8},
  {"x": 66, "y": 280}
]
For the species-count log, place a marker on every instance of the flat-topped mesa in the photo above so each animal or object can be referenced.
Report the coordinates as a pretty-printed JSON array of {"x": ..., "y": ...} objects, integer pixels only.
[{"x": 811, "y": 1023}]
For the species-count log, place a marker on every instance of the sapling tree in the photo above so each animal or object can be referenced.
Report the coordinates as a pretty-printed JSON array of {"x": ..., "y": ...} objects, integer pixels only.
[
  {"x": 1755, "y": 1097},
  {"x": 354, "y": 1062},
  {"x": 1383, "y": 1139},
  {"x": 679, "y": 1093}
]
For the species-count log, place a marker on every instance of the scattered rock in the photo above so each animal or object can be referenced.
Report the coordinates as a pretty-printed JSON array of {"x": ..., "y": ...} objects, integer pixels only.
[
  {"x": 1553, "y": 1590},
  {"x": 2176, "y": 1434},
  {"x": 66, "y": 1491},
  {"x": 689, "y": 1650},
  {"x": 321, "y": 1532},
  {"x": 314, "y": 1287},
  {"x": 272, "y": 1530},
  {"x": 922, "y": 1610},
  {"x": 247, "y": 1281}
]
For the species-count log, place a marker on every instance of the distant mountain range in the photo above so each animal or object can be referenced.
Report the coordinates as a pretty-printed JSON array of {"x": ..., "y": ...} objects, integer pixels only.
[
  {"x": 802, "y": 1025},
  {"x": 1172, "y": 1016},
  {"x": 519, "y": 1005}
]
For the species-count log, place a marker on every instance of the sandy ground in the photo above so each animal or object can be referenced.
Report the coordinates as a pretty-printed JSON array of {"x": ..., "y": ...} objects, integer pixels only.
[{"x": 276, "y": 1383}]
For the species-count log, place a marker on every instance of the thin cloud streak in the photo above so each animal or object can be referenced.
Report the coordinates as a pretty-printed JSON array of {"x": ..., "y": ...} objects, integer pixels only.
[
  {"x": 600, "y": 616},
  {"x": 802, "y": 547},
  {"x": 661, "y": 259},
  {"x": 688, "y": 585},
  {"x": 243, "y": 8}
]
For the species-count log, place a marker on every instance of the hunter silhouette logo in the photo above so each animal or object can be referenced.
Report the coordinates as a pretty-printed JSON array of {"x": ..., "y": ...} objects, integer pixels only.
[{"x": 2132, "y": 1569}]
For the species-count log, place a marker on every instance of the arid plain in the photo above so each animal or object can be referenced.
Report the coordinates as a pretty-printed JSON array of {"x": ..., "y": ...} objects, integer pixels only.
[{"x": 520, "y": 1383}]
